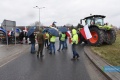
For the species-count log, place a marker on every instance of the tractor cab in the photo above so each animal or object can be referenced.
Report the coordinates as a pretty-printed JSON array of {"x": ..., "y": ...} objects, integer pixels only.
[{"x": 94, "y": 20}]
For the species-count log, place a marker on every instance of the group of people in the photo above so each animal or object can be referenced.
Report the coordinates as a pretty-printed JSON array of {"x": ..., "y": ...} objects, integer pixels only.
[
  {"x": 21, "y": 36},
  {"x": 49, "y": 40}
]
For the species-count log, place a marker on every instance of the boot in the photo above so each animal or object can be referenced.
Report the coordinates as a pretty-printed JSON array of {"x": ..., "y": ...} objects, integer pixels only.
[
  {"x": 78, "y": 56},
  {"x": 58, "y": 50},
  {"x": 50, "y": 53},
  {"x": 41, "y": 55},
  {"x": 73, "y": 58},
  {"x": 38, "y": 54}
]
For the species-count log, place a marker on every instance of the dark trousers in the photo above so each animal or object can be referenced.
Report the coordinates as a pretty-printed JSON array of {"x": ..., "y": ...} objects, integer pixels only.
[
  {"x": 26, "y": 39},
  {"x": 46, "y": 42},
  {"x": 61, "y": 43},
  {"x": 74, "y": 50},
  {"x": 40, "y": 49}
]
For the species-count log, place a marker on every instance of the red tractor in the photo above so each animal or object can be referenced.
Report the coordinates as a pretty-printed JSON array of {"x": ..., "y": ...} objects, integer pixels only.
[{"x": 101, "y": 33}]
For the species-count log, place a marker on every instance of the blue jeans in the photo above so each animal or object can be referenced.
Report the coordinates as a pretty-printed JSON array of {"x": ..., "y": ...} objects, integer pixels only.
[
  {"x": 65, "y": 43},
  {"x": 74, "y": 51},
  {"x": 61, "y": 43},
  {"x": 52, "y": 47},
  {"x": 32, "y": 47}
]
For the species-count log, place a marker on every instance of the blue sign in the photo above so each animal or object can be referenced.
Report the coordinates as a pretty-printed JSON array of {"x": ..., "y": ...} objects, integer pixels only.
[{"x": 111, "y": 68}]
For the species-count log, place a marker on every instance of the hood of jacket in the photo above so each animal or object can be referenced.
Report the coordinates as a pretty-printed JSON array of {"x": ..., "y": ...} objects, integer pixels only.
[{"x": 74, "y": 31}]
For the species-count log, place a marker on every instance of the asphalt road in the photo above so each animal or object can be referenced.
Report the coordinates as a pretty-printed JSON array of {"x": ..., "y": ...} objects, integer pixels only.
[{"x": 51, "y": 67}]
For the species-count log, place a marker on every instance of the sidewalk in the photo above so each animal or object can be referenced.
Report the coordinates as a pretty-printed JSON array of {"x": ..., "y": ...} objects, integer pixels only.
[
  {"x": 11, "y": 51},
  {"x": 100, "y": 63}
]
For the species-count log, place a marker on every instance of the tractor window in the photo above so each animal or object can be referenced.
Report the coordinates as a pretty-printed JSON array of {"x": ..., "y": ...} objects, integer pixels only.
[
  {"x": 88, "y": 21},
  {"x": 99, "y": 21}
]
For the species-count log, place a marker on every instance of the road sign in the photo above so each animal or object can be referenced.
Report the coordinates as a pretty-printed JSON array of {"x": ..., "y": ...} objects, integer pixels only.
[{"x": 9, "y": 25}]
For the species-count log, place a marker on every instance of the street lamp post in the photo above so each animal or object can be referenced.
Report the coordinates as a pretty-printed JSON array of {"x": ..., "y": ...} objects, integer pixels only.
[{"x": 39, "y": 13}]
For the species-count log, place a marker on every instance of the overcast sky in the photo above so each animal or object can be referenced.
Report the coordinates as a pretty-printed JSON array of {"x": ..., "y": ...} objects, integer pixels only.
[{"x": 61, "y": 11}]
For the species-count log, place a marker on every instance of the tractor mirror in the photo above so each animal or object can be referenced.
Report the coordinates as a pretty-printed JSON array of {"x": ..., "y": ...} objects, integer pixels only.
[{"x": 80, "y": 21}]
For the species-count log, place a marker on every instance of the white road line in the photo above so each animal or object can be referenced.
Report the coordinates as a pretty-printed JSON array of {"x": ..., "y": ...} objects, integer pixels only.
[
  {"x": 9, "y": 60},
  {"x": 1, "y": 45},
  {"x": 12, "y": 56}
]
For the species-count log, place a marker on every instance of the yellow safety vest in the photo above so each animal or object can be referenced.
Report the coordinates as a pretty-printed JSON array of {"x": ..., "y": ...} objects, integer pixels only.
[
  {"x": 63, "y": 37},
  {"x": 75, "y": 39},
  {"x": 47, "y": 36},
  {"x": 53, "y": 39}
]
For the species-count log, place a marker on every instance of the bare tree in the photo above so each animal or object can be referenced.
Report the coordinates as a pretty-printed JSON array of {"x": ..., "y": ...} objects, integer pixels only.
[{"x": 36, "y": 24}]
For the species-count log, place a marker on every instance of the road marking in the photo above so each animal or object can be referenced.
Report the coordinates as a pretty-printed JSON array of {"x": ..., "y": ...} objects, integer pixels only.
[
  {"x": 9, "y": 60},
  {"x": 12, "y": 57}
]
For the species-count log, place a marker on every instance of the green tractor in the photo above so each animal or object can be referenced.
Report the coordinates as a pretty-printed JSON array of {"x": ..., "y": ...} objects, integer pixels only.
[{"x": 101, "y": 32}]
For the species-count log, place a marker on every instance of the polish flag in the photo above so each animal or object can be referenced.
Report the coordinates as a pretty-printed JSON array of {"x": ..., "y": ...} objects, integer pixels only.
[
  {"x": 25, "y": 30},
  {"x": 86, "y": 32},
  {"x": 9, "y": 33},
  {"x": 68, "y": 33}
]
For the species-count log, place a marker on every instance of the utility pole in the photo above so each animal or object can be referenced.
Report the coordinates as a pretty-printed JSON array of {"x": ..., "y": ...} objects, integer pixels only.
[{"x": 39, "y": 13}]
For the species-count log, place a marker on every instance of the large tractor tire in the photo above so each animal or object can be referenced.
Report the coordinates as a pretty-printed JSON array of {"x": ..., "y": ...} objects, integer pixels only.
[
  {"x": 111, "y": 36},
  {"x": 97, "y": 36}
]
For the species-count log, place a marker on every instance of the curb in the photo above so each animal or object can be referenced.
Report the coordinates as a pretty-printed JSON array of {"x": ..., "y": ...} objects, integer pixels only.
[{"x": 100, "y": 63}]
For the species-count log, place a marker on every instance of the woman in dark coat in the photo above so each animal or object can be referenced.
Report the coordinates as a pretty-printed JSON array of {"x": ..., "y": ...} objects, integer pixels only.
[
  {"x": 21, "y": 36},
  {"x": 32, "y": 39}
]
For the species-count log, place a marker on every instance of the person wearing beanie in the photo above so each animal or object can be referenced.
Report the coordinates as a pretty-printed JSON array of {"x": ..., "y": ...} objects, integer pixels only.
[{"x": 40, "y": 39}]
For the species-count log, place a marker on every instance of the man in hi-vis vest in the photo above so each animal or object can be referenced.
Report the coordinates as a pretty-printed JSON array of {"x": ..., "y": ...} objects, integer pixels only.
[
  {"x": 46, "y": 37},
  {"x": 52, "y": 44},
  {"x": 74, "y": 42},
  {"x": 61, "y": 41}
]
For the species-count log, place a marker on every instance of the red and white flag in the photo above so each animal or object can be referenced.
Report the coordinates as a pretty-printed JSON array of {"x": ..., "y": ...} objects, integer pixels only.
[
  {"x": 68, "y": 33},
  {"x": 9, "y": 33},
  {"x": 86, "y": 32},
  {"x": 25, "y": 30}
]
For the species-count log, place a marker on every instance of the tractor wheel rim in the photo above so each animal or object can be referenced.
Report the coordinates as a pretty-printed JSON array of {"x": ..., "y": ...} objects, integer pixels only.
[{"x": 94, "y": 38}]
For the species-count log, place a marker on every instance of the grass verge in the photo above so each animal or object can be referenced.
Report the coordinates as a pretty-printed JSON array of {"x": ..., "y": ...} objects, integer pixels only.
[{"x": 111, "y": 53}]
